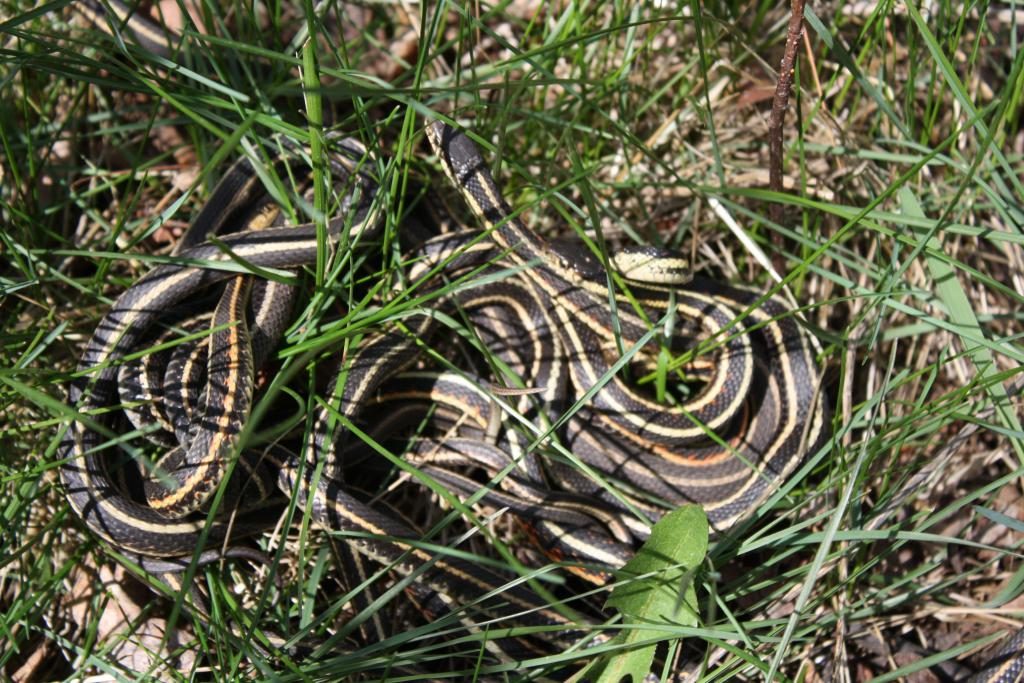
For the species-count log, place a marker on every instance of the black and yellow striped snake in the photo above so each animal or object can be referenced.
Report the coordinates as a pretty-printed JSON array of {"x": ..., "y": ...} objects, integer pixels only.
[
  {"x": 554, "y": 319},
  {"x": 564, "y": 326}
]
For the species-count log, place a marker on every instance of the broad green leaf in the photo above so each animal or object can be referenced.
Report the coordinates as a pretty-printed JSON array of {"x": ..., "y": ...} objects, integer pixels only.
[{"x": 655, "y": 594}]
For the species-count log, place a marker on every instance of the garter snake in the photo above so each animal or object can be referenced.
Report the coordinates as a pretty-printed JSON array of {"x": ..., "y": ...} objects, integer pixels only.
[
  {"x": 142, "y": 528},
  {"x": 546, "y": 292},
  {"x": 725, "y": 447}
]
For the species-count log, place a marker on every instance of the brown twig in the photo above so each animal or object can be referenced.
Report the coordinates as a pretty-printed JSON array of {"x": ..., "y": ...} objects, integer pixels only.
[{"x": 779, "y": 104}]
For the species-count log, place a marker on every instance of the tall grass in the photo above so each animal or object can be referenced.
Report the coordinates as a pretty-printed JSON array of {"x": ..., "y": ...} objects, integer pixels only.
[{"x": 893, "y": 549}]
